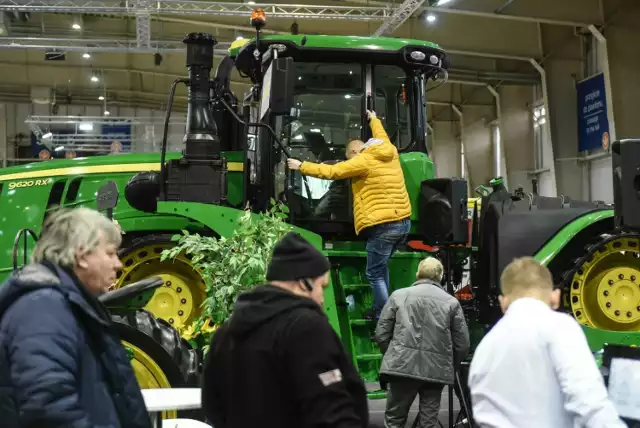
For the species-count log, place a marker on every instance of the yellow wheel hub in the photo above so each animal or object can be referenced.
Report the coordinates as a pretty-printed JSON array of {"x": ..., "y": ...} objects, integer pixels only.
[
  {"x": 148, "y": 373},
  {"x": 178, "y": 300},
  {"x": 605, "y": 291}
]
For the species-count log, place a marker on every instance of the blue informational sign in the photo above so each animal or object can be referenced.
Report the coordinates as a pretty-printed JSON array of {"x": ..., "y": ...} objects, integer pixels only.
[{"x": 593, "y": 120}]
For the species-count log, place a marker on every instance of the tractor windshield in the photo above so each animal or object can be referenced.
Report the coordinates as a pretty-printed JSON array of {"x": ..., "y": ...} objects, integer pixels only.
[{"x": 329, "y": 110}]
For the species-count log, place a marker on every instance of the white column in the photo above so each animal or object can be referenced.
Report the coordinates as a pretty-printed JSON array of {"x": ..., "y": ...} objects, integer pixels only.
[
  {"x": 603, "y": 63},
  {"x": 548, "y": 156},
  {"x": 463, "y": 166}
]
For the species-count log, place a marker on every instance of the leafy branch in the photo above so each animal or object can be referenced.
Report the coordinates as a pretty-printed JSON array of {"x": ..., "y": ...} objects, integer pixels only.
[{"x": 229, "y": 266}]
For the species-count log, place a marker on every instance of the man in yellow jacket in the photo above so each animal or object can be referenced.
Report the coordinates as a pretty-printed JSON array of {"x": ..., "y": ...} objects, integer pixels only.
[{"x": 381, "y": 206}]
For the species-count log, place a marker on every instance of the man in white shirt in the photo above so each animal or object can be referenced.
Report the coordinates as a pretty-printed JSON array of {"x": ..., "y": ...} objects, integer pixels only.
[{"x": 534, "y": 368}]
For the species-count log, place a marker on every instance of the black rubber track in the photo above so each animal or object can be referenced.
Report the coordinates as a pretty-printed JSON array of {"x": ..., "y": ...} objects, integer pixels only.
[{"x": 180, "y": 363}]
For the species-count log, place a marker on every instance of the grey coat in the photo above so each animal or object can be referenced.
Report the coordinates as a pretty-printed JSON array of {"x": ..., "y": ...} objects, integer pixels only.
[{"x": 421, "y": 330}]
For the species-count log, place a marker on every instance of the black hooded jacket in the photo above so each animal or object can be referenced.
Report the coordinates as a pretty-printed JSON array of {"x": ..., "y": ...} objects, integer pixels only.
[{"x": 277, "y": 363}]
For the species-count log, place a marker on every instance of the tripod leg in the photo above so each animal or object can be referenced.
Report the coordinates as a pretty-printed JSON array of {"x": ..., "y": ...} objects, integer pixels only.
[
  {"x": 450, "y": 394},
  {"x": 464, "y": 406}
]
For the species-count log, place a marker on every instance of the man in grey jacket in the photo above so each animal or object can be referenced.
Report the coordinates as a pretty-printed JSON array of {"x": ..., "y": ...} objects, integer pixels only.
[{"x": 423, "y": 335}]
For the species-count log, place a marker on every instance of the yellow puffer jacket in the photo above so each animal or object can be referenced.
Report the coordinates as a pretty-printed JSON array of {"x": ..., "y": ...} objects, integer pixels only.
[{"x": 379, "y": 192}]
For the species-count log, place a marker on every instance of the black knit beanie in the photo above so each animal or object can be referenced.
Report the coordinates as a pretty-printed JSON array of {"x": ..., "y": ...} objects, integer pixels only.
[{"x": 295, "y": 258}]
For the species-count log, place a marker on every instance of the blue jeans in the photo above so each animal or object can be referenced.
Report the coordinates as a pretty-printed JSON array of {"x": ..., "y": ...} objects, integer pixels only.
[{"x": 382, "y": 242}]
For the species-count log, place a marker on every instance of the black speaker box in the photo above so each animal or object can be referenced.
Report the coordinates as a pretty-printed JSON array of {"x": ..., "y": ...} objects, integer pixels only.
[
  {"x": 625, "y": 158},
  {"x": 443, "y": 211}
]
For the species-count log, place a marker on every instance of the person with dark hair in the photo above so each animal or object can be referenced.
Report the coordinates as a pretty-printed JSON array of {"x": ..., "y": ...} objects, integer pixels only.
[{"x": 277, "y": 362}]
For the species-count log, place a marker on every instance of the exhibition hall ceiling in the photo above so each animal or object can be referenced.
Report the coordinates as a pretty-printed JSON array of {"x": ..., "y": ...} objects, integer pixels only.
[{"x": 111, "y": 46}]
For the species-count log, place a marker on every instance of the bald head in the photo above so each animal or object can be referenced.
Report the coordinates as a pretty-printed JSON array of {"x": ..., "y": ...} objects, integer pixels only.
[{"x": 353, "y": 148}]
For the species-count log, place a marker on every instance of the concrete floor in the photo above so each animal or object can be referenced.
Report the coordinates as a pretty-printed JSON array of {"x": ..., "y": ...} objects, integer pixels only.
[{"x": 376, "y": 411}]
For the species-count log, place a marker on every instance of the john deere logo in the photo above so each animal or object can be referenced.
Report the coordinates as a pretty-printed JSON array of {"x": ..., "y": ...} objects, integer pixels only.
[{"x": 30, "y": 183}]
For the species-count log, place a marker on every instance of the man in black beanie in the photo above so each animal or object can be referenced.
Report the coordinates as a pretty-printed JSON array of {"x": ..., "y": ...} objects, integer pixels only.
[{"x": 277, "y": 363}]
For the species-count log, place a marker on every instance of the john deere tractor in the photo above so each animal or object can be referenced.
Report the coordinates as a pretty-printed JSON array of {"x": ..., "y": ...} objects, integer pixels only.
[{"x": 308, "y": 95}]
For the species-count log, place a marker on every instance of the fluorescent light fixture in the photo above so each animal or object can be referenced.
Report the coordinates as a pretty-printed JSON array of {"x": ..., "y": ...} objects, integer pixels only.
[
  {"x": 76, "y": 26},
  {"x": 106, "y": 113},
  {"x": 239, "y": 38},
  {"x": 59, "y": 148},
  {"x": 347, "y": 96},
  {"x": 86, "y": 126},
  {"x": 47, "y": 136},
  {"x": 441, "y": 2},
  {"x": 94, "y": 78},
  {"x": 86, "y": 55},
  {"x": 315, "y": 130},
  {"x": 101, "y": 98},
  {"x": 431, "y": 18}
]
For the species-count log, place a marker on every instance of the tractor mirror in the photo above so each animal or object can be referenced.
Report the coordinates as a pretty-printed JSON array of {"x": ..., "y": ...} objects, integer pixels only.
[
  {"x": 107, "y": 197},
  {"x": 278, "y": 87}
]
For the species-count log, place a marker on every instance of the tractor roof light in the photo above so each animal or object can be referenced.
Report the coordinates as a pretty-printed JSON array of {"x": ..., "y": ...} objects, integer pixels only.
[{"x": 258, "y": 18}]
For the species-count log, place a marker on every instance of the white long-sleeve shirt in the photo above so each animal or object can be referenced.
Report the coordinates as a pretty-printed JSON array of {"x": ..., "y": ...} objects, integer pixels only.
[{"x": 534, "y": 369}]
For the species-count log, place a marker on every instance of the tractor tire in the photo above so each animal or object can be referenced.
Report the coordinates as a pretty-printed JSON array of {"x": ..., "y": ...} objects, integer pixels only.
[
  {"x": 601, "y": 289},
  {"x": 161, "y": 358},
  {"x": 178, "y": 301}
]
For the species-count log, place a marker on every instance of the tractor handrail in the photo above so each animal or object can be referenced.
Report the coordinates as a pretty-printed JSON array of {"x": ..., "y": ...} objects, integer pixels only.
[
  {"x": 16, "y": 241},
  {"x": 128, "y": 291}
]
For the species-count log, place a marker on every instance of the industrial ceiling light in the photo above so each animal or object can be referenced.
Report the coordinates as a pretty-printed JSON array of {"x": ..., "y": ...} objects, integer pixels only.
[
  {"x": 107, "y": 113},
  {"x": 86, "y": 55},
  {"x": 76, "y": 26},
  {"x": 101, "y": 98},
  {"x": 431, "y": 18},
  {"x": 94, "y": 79},
  {"x": 441, "y": 2}
]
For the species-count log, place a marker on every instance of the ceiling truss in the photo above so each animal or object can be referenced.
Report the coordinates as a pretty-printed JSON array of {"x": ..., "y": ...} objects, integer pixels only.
[
  {"x": 191, "y": 7},
  {"x": 95, "y": 45},
  {"x": 401, "y": 14}
]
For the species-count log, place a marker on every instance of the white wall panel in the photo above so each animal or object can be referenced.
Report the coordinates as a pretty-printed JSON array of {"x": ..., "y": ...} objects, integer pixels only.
[
  {"x": 446, "y": 146},
  {"x": 601, "y": 180}
]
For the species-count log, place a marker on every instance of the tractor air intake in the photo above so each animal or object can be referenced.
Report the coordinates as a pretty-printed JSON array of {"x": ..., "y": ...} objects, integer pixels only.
[{"x": 201, "y": 137}]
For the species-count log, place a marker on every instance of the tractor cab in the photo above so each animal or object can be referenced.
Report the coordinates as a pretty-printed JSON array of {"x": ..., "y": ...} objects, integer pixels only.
[{"x": 312, "y": 93}]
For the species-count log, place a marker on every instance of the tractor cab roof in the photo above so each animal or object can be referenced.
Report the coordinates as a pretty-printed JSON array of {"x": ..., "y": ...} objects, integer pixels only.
[{"x": 407, "y": 53}]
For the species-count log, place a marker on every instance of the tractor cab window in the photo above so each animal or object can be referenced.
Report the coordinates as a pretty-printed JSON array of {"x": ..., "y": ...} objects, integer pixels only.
[
  {"x": 392, "y": 103},
  {"x": 327, "y": 114}
]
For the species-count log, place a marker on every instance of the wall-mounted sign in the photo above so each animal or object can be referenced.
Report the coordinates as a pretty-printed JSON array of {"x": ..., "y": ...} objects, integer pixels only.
[{"x": 593, "y": 120}]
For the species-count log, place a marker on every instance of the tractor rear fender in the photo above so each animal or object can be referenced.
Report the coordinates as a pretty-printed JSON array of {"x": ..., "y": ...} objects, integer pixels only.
[
  {"x": 542, "y": 234},
  {"x": 586, "y": 226}
]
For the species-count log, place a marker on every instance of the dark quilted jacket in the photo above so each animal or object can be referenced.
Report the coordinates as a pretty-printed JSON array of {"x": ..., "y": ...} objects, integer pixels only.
[{"x": 61, "y": 364}]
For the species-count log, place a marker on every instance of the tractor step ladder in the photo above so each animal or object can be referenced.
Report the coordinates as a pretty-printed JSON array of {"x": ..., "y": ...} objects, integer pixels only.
[{"x": 353, "y": 299}]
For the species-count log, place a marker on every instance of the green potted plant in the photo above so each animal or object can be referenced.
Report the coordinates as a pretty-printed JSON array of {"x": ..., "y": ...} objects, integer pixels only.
[{"x": 229, "y": 266}]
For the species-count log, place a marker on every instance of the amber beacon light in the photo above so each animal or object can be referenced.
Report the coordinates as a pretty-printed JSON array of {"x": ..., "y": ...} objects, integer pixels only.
[{"x": 258, "y": 18}]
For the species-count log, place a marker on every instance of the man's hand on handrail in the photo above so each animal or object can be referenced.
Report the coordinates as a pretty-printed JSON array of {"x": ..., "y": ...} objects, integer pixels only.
[{"x": 371, "y": 114}]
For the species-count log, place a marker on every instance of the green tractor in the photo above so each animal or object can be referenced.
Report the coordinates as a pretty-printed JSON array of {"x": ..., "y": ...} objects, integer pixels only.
[
  {"x": 592, "y": 250},
  {"x": 307, "y": 98}
]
